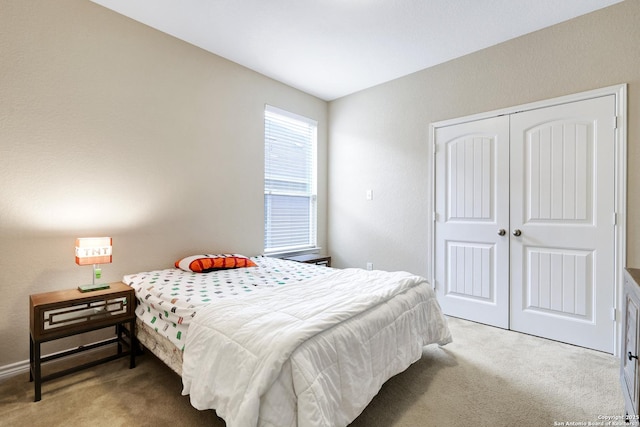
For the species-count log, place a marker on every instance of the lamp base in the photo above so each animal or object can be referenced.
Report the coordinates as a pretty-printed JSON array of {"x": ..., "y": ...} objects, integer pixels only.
[{"x": 89, "y": 288}]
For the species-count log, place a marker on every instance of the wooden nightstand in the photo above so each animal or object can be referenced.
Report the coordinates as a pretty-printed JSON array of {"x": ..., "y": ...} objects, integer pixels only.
[
  {"x": 312, "y": 259},
  {"x": 59, "y": 314}
]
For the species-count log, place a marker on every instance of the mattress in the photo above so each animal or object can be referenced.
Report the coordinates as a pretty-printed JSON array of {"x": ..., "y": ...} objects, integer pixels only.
[{"x": 160, "y": 346}]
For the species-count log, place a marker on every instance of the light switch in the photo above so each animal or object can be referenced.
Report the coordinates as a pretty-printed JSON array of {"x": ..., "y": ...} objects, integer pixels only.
[{"x": 369, "y": 194}]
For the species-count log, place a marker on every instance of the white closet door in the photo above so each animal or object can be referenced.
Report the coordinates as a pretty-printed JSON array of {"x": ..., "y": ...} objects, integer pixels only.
[
  {"x": 562, "y": 207},
  {"x": 472, "y": 206}
]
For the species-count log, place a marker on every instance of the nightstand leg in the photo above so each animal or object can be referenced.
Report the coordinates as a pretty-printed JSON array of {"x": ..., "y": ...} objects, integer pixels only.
[
  {"x": 134, "y": 344},
  {"x": 119, "y": 334},
  {"x": 37, "y": 381}
]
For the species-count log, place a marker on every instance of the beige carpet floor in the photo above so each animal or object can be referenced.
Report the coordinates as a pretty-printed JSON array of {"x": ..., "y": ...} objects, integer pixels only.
[{"x": 486, "y": 377}]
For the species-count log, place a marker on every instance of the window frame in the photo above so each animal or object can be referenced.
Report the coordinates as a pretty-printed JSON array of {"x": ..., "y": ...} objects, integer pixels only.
[{"x": 282, "y": 116}]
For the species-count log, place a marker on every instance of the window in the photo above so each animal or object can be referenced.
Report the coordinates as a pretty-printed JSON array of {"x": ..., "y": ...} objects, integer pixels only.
[{"x": 289, "y": 181}]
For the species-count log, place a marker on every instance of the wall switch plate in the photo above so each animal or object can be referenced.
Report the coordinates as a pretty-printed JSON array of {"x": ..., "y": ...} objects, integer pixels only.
[
  {"x": 369, "y": 266},
  {"x": 369, "y": 194}
]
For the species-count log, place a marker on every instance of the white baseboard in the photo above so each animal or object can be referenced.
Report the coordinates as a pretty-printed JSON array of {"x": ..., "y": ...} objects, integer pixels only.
[{"x": 13, "y": 369}]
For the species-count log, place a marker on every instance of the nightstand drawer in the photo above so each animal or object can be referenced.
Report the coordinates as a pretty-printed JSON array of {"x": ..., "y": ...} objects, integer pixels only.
[
  {"x": 62, "y": 313},
  {"x": 55, "y": 320}
]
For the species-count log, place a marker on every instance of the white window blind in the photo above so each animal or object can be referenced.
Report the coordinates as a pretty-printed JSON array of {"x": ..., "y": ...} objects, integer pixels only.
[{"x": 289, "y": 181}]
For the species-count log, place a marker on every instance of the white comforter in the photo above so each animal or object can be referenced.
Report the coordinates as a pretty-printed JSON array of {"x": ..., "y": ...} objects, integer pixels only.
[{"x": 313, "y": 354}]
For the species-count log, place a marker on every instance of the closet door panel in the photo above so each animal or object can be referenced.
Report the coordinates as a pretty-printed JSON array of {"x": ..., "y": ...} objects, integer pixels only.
[
  {"x": 472, "y": 191},
  {"x": 562, "y": 204}
]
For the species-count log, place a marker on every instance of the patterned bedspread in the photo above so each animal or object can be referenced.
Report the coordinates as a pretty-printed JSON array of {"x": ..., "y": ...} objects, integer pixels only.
[{"x": 168, "y": 299}]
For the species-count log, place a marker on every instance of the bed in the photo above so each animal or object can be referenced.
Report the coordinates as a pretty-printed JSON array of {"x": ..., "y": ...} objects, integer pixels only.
[{"x": 283, "y": 343}]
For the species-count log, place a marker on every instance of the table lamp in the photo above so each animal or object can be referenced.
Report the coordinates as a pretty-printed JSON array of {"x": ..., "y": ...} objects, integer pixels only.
[{"x": 93, "y": 250}]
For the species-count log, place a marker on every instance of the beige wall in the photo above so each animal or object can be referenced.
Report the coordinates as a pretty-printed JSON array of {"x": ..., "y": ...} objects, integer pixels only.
[
  {"x": 379, "y": 138},
  {"x": 108, "y": 127}
]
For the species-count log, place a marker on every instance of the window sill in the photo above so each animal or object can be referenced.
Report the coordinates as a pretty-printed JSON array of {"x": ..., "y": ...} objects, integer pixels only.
[{"x": 283, "y": 254}]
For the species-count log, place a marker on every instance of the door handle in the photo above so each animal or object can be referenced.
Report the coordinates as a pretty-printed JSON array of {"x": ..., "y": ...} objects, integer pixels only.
[
  {"x": 502, "y": 232},
  {"x": 517, "y": 232},
  {"x": 631, "y": 356}
]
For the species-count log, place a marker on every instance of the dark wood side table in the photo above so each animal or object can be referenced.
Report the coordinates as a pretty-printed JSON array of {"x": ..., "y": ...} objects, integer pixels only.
[
  {"x": 312, "y": 259},
  {"x": 59, "y": 314}
]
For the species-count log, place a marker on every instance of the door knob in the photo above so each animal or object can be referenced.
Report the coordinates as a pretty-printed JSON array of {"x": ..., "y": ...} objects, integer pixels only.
[
  {"x": 502, "y": 232},
  {"x": 517, "y": 232}
]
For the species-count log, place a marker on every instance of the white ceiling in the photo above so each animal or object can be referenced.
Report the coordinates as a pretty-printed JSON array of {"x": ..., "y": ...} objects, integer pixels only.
[{"x": 331, "y": 48}]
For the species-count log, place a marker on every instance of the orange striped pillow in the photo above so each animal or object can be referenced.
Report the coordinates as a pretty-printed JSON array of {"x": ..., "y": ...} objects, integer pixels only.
[{"x": 211, "y": 262}]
